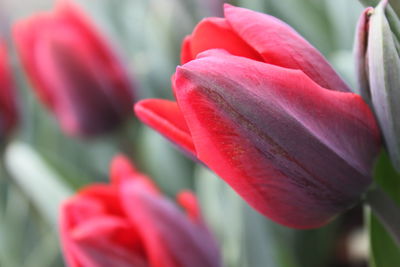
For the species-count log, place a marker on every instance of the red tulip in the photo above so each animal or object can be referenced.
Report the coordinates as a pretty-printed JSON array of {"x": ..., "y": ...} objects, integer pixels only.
[
  {"x": 130, "y": 223},
  {"x": 264, "y": 110},
  {"x": 8, "y": 108},
  {"x": 74, "y": 71}
]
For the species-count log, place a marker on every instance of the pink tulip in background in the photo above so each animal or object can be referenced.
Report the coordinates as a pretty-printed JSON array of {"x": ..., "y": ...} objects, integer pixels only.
[
  {"x": 261, "y": 107},
  {"x": 74, "y": 70},
  {"x": 130, "y": 223}
]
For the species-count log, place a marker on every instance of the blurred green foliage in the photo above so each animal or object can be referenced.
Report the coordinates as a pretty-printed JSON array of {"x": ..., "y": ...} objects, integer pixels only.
[{"x": 384, "y": 251}]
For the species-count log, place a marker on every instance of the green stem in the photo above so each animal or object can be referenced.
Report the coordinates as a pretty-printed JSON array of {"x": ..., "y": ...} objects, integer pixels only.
[{"x": 386, "y": 210}]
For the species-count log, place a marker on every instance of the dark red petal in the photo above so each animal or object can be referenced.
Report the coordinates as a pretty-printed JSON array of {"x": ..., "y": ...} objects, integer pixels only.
[
  {"x": 280, "y": 45},
  {"x": 121, "y": 90},
  {"x": 216, "y": 33},
  {"x": 8, "y": 105},
  {"x": 82, "y": 83},
  {"x": 296, "y": 152},
  {"x": 166, "y": 117},
  {"x": 170, "y": 238}
]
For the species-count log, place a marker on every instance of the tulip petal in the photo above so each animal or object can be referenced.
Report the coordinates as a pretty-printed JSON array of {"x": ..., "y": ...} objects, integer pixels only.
[
  {"x": 80, "y": 76},
  {"x": 295, "y": 151},
  {"x": 25, "y": 36},
  {"x": 73, "y": 212},
  {"x": 280, "y": 45},
  {"x": 82, "y": 219},
  {"x": 166, "y": 117},
  {"x": 223, "y": 37},
  {"x": 104, "y": 53},
  {"x": 121, "y": 168},
  {"x": 189, "y": 202},
  {"x": 104, "y": 195},
  {"x": 168, "y": 236},
  {"x": 186, "y": 53},
  {"x": 115, "y": 229},
  {"x": 8, "y": 106},
  {"x": 102, "y": 254}
]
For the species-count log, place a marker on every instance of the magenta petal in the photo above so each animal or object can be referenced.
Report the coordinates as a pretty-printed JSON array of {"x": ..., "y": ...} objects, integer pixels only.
[
  {"x": 296, "y": 152},
  {"x": 281, "y": 45},
  {"x": 170, "y": 238}
]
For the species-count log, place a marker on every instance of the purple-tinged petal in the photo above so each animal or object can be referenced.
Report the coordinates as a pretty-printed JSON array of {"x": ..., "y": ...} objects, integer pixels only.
[
  {"x": 297, "y": 152},
  {"x": 170, "y": 238}
]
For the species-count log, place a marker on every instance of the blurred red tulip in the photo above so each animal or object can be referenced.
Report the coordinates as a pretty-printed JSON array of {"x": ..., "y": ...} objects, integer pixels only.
[
  {"x": 265, "y": 110},
  {"x": 8, "y": 107},
  {"x": 74, "y": 70},
  {"x": 130, "y": 223}
]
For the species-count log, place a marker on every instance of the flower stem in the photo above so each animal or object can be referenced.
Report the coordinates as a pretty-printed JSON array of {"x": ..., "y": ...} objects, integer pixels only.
[{"x": 386, "y": 210}]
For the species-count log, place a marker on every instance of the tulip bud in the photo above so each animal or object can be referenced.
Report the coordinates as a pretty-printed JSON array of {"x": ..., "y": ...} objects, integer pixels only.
[
  {"x": 130, "y": 223},
  {"x": 8, "y": 108},
  {"x": 74, "y": 70},
  {"x": 378, "y": 69},
  {"x": 261, "y": 107}
]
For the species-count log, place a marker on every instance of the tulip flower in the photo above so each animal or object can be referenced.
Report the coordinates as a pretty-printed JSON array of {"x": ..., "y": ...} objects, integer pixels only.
[
  {"x": 74, "y": 70},
  {"x": 8, "y": 107},
  {"x": 378, "y": 69},
  {"x": 130, "y": 223},
  {"x": 262, "y": 108}
]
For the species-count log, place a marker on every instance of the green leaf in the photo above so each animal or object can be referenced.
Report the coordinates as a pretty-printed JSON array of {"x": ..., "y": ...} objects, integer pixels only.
[
  {"x": 171, "y": 170},
  {"x": 39, "y": 182},
  {"x": 384, "y": 251},
  {"x": 387, "y": 177}
]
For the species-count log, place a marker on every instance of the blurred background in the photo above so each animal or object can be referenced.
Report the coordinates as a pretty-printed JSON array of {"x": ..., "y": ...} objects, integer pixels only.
[{"x": 42, "y": 166}]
